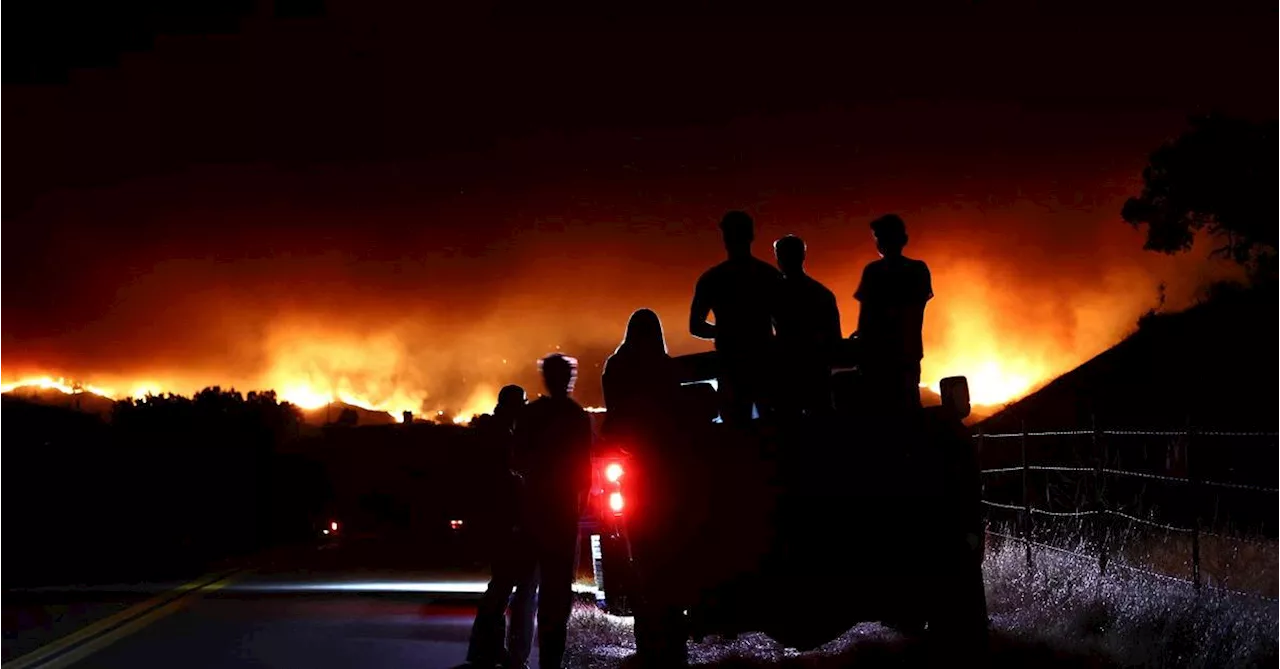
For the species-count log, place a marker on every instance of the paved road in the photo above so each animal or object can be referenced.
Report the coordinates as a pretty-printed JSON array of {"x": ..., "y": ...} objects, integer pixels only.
[{"x": 347, "y": 606}]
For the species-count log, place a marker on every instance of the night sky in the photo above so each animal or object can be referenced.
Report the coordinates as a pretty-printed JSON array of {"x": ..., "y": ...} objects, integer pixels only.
[{"x": 395, "y": 202}]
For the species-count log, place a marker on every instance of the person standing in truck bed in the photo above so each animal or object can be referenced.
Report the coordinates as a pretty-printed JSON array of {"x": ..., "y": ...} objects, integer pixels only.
[
  {"x": 893, "y": 293},
  {"x": 808, "y": 324},
  {"x": 742, "y": 293}
]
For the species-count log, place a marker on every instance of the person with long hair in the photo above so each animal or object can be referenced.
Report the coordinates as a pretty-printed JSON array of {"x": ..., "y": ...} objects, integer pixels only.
[
  {"x": 641, "y": 392},
  {"x": 639, "y": 380}
]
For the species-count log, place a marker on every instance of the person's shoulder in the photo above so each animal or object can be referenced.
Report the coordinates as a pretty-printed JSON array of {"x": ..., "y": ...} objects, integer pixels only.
[
  {"x": 712, "y": 274},
  {"x": 920, "y": 270},
  {"x": 764, "y": 267},
  {"x": 579, "y": 413},
  {"x": 564, "y": 405},
  {"x": 874, "y": 267},
  {"x": 536, "y": 407},
  {"x": 765, "y": 272},
  {"x": 722, "y": 267},
  {"x": 820, "y": 288}
]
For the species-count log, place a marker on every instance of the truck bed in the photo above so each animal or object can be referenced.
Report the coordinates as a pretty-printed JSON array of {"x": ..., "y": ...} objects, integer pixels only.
[{"x": 805, "y": 533}]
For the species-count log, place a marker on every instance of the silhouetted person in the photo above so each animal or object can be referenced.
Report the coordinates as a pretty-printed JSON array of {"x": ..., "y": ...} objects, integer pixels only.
[
  {"x": 893, "y": 293},
  {"x": 508, "y": 554},
  {"x": 957, "y": 609},
  {"x": 553, "y": 452},
  {"x": 641, "y": 395},
  {"x": 808, "y": 325},
  {"x": 742, "y": 292}
]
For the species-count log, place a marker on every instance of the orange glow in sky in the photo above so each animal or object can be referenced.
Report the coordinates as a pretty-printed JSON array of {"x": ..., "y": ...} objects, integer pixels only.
[{"x": 967, "y": 333}]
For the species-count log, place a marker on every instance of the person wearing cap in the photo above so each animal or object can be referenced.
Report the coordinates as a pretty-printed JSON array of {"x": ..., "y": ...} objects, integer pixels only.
[{"x": 893, "y": 293}]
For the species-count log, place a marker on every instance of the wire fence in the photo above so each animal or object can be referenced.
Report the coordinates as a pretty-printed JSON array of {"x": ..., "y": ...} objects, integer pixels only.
[{"x": 1098, "y": 507}]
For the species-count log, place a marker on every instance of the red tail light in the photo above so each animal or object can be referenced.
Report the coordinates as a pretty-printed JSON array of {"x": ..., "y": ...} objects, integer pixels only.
[
  {"x": 612, "y": 472},
  {"x": 615, "y": 502}
]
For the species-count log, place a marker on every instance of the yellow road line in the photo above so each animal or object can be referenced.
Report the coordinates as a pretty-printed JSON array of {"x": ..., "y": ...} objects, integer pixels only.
[{"x": 113, "y": 628}]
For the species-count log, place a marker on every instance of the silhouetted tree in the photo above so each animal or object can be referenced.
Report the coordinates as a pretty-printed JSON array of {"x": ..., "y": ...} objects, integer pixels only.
[{"x": 1221, "y": 175}]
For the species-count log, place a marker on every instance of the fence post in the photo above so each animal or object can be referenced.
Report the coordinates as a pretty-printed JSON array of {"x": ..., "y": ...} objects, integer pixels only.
[
  {"x": 986, "y": 515},
  {"x": 1099, "y": 504},
  {"x": 1026, "y": 498},
  {"x": 1193, "y": 481}
]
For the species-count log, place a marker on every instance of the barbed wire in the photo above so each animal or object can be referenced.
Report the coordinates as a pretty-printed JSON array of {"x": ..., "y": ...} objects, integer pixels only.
[
  {"x": 1145, "y": 475},
  {"x": 1037, "y": 544},
  {"x": 1126, "y": 433},
  {"x": 1049, "y": 433},
  {"x": 1127, "y": 472},
  {"x": 1062, "y": 514},
  {"x": 1184, "y": 581},
  {"x": 1239, "y": 486},
  {"x": 1119, "y": 514},
  {"x": 1144, "y": 521},
  {"x": 1088, "y": 512},
  {"x": 1143, "y": 433},
  {"x": 1243, "y": 540},
  {"x": 1058, "y": 468},
  {"x": 1134, "y": 568},
  {"x": 1255, "y": 595},
  {"x": 998, "y": 505},
  {"x": 1148, "y": 572}
]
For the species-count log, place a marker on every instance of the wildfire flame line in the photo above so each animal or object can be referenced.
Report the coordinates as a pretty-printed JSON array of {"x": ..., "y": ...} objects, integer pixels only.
[
  {"x": 300, "y": 395},
  {"x": 65, "y": 386}
]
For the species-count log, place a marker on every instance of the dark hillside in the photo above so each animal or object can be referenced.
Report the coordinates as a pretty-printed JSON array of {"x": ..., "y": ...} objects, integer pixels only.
[{"x": 1213, "y": 366}]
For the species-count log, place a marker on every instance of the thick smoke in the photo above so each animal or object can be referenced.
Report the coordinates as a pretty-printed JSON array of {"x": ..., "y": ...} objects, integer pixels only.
[
  {"x": 1024, "y": 291},
  {"x": 336, "y": 247}
]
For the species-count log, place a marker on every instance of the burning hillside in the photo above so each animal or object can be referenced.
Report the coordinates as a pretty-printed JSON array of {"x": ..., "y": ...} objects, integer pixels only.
[
  {"x": 433, "y": 320},
  {"x": 1010, "y": 323},
  {"x": 1007, "y": 330}
]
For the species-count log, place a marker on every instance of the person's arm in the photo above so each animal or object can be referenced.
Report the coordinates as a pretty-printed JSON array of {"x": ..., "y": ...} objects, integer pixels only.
[
  {"x": 519, "y": 448},
  {"x": 698, "y": 312},
  {"x": 861, "y": 296},
  {"x": 585, "y": 442},
  {"x": 606, "y": 383},
  {"x": 834, "y": 330}
]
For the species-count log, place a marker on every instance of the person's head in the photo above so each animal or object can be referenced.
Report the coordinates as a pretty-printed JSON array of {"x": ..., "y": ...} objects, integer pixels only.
[
  {"x": 510, "y": 399},
  {"x": 789, "y": 251},
  {"x": 558, "y": 373},
  {"x": 738, "y": 231},
  {"x": 644, "y": 334},
  {"x": 890, "y": 233}
]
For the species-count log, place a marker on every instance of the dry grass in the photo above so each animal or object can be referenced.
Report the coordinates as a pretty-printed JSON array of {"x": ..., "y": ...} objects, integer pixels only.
[
  {"x": 1247, "y": 565},
  {"x": 1061, "y": 613}
]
